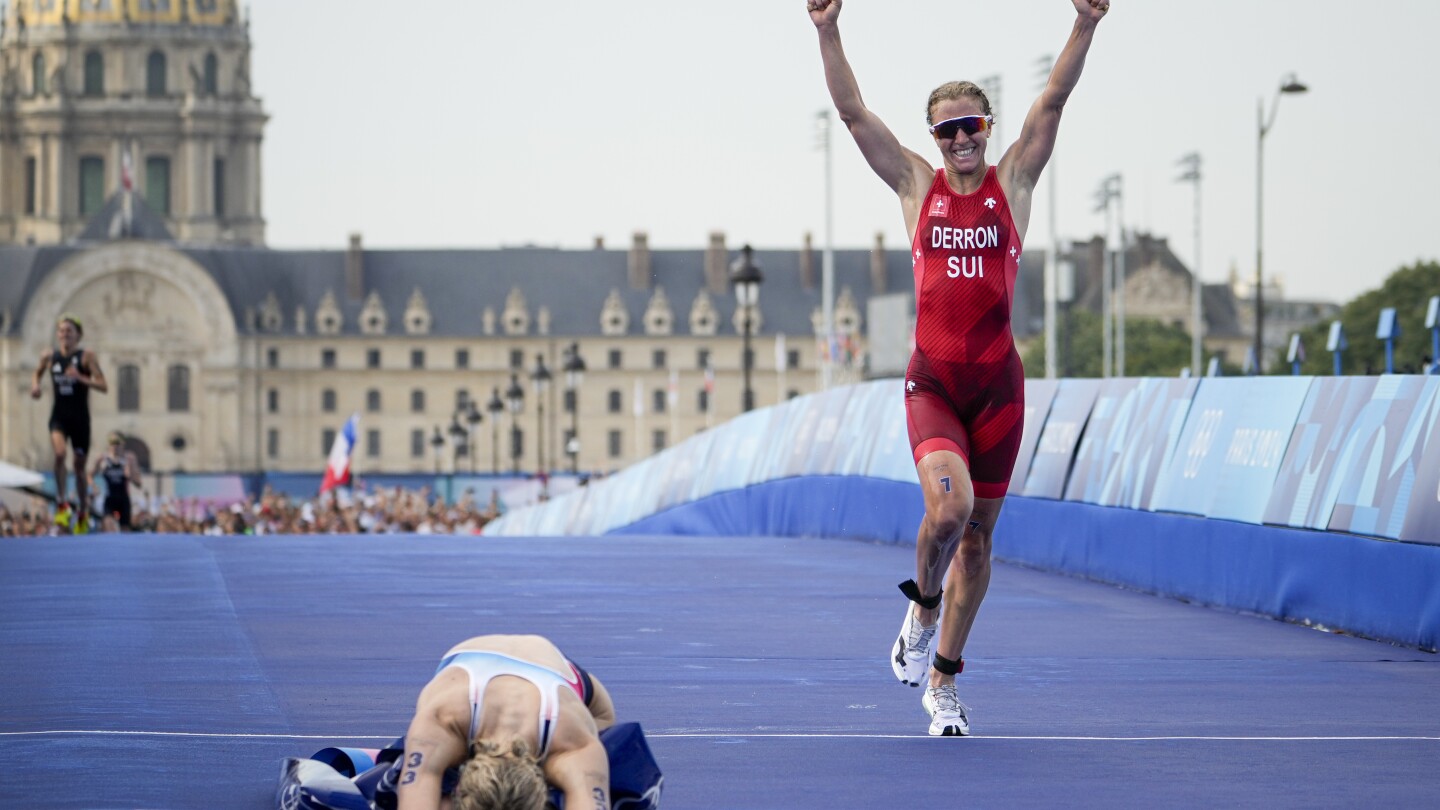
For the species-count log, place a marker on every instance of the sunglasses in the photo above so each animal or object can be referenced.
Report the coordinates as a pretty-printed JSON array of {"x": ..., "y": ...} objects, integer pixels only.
[{"x": 969, "y": 124}]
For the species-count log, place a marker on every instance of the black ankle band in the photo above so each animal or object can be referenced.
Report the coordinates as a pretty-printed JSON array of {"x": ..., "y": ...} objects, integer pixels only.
[
  {"x": 912, "y": 592},
  {"x": 945, "y": 666}
]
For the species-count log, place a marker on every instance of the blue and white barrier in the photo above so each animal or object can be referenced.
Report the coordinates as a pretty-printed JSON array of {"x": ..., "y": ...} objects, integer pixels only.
[{"x": 1279, "y": 495}]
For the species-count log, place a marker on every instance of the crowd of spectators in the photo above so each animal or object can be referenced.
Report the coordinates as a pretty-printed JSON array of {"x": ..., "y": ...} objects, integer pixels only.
[{"x": 384, "y": 511}]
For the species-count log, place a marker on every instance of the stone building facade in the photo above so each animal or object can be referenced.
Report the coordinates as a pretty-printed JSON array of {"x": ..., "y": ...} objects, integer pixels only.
[{"x": 93, "y": 92}]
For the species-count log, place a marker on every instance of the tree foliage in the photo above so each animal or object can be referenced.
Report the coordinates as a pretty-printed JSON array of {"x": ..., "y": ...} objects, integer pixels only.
[
  {"x": 1409, "y": 291},
  {"x": 1152, "y": 349}
]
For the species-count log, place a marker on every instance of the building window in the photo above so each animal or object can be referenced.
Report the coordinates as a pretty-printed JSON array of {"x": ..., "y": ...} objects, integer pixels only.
[
  {"x": 613, "y": 402},
  {"x": 569, "y": 402},
  {"x": 792, "y": 393},
  {"x": 462, "y": 358},
  {"x": 272, "y": 443},
  {"x": 657, "y": 440},
  {"x": 517, "y": 358},
  {"x": 417, "y": 400},
  {"x": 327, "y": 440},
  {"x": 613, "y": 443},
  {"x": 92, "y": 185},
  {"x": 462, "y": 400},
  {"x": 372, "y": 443},
  {"x": 212, "y": 75},
  {"x": 658, "y": 402},
  {"x": 417, "y": 443},
  {"x": 417, "y": 358},
  {"x": 792, "y": 358},
  {"x": 327, "y": 358},
  {"x": 31, "y": 184},
  {"x": 614, "y": 358},
  {"x": 657, "y": 359},
  {"x": 702, "y": 401},
  {"x": 94, "y": 74},
  {"x": 272, "y": 401},
  {"x": 327, "y": 400},
  {"x": 157, "y": 184},
  {"x": 155, "y": 74},
  {"x": 127, "y": 394},
  {"x": 702, "y": 359},
  {"x": 217, "y": 186},
  {"x": 177, "y": 396},
  {"x": 37, "y": 75},
  {"x": 272, "y": 358},
  {"x": 372, "y": 400},
  {"x": 372, "y": 358}
]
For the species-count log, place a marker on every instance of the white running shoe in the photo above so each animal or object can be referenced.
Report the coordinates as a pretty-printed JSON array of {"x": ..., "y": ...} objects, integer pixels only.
[
  {"x": 910, "y": 657},
  {"x": 948, "y": 716}
]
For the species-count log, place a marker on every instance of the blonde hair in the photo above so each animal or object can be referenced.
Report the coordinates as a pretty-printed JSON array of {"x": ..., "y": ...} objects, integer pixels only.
[
  {"x": 73, "y": 321},
  {"x": 953, "y": 90},
  {"x": 498, "y": 779}
]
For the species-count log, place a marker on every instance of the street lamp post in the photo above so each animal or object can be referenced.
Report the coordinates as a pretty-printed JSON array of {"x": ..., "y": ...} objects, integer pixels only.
[
  {"x": 574, "y": 377},
  {"x": 436, "y": 442},
  {"x": 458, "y": 437},
  {"x": 472, "y": 418},
  {"x": 540, "y": 376},
  {"x": 1288, "y": 85},
  {"x": 746, "y": 278},
  {"x": 1191, "y": 162},
  {"x": 495, "y": 406},
  {"x": 515, "y": 396},
  {"x": 1112, "y": 302}
]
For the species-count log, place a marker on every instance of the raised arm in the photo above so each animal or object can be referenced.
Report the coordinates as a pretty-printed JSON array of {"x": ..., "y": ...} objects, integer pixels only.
[
  {"x": 895, "y": 164},
  {"x": 1023, "y": 163}
]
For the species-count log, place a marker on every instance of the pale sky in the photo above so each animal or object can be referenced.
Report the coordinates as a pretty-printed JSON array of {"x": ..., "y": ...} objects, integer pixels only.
[{"x": 476, "y": 124}]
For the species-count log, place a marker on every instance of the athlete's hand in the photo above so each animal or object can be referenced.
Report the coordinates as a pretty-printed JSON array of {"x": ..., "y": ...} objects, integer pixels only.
[
  {"x": 34, "y": 391},
  {"x": 823, "y": 12},
  {"x": 1091, "y": 9}
]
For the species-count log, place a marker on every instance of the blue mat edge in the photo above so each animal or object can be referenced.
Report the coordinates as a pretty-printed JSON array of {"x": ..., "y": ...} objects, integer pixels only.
[{"x": 1378, "y": 589}]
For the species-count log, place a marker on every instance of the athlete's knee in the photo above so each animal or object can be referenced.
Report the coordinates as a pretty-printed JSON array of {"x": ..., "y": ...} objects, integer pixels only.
[
  {"x": 974, "y": 554},
  {"x": 950, "y": 517}
]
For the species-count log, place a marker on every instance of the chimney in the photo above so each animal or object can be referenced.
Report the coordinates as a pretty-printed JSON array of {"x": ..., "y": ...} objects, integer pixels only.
[
  {"x": 355, "y": 269},
  {"x": 717, "y": 265},
  {"x": 599, "y": 243},
  {"x": 807, "y": 264},
  {"x": 877, "y": 266},
  {"x": 639, "y": 264}
]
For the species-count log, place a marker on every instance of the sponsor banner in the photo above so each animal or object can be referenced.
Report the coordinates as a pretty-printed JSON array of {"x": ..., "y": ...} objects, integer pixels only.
[
  {"x": 867, "y": 410},
  {"x": 1050, "y": 464},
  {"x": 1231, "y": 447},
  {"x": 832, "y": 413},
  {"x": 1309, "y": 478},
  {"x": 1104, "y": 439},
  {"x": 687, "y": 459},
  {"x": 1039, "y": 395},
  {"x": 736, "y": 445},
  {"x": 890, "y": 455},
  {"x": 1148, "y": 432},
  {"x": 1422, "y": 518},
  {"x": 785, "y": 435},
  {"x": 1380, "y": 459}
]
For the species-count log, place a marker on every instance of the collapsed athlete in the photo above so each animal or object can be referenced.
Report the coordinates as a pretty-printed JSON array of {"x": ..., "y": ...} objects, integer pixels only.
[
  {"x": 514, "y": 713},
  {"x": 73, "y": 372},
  {"x": 964, "y": 388}
]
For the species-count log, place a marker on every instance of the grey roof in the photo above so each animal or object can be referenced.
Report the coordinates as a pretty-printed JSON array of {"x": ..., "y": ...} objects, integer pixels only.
[
  {"x": 458, "y": 285},
  {"x": 110, "y": 222}
]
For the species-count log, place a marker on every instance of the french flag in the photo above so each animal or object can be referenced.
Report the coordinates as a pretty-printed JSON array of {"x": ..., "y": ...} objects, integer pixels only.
[{"x": 337, "y": 469}]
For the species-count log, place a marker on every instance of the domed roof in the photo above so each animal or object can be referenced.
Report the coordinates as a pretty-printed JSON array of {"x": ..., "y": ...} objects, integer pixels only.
[{"x": 206, "y": 13}]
